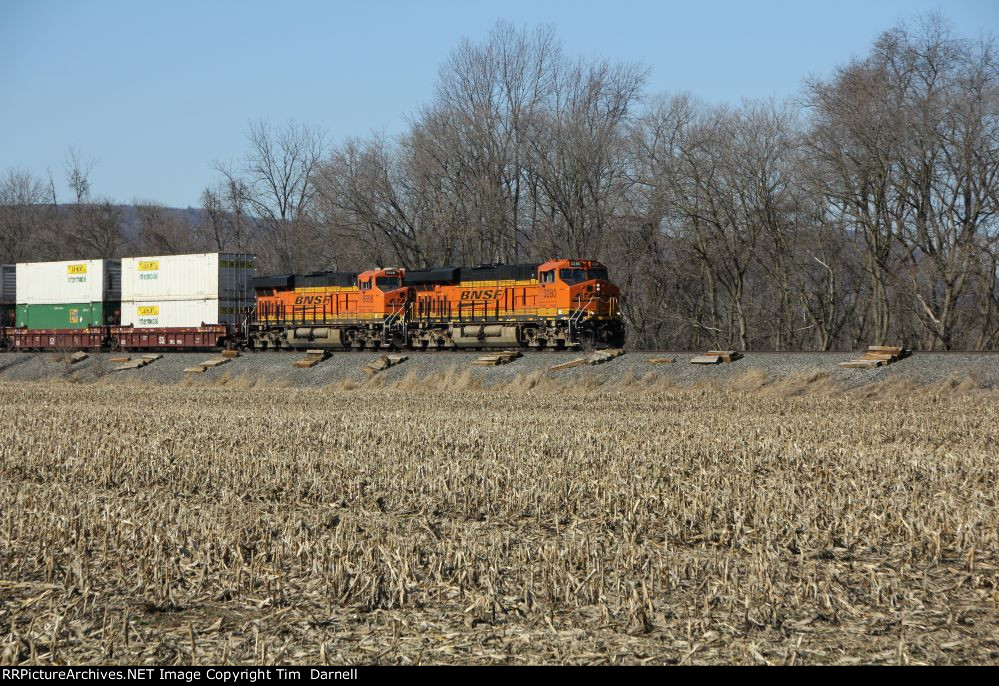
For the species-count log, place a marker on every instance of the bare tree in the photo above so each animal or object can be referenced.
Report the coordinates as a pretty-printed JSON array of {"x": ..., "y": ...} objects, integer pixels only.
[
  {"x": 474, "y": 138},
  {"x": 949, "y": 165},
  {"x": 228, "y": 223},
  {"x": 95, "y": 226},
  {"x": 21, "y": 222},
  {"x": 578, "y": 154},
  {"x": 78, "y": 175},
  {"x": 163, "y": 231},
  {"x": 276, "y": 178}
]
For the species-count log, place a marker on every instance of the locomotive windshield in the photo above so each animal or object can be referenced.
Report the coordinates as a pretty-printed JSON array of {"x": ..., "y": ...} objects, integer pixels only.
[
  {"x": 574, "y": 276},
  {"x": 571, "y": 276},
  {"x": 388, "y": 283}
]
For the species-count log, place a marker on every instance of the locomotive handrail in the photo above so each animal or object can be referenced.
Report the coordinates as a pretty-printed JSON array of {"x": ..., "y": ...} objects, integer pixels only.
[
  {"x": 394, "y": 316},
  {"x": 577, "y": 314}
]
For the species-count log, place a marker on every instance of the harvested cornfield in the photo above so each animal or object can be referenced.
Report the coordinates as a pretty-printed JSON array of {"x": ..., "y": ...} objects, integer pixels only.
[{"x": 529, "y": 524}]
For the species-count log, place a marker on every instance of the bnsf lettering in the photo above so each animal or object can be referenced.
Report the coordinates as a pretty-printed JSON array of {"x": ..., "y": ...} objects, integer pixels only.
[
  {"x": 313, "y": 299},
  {"x": 488, "y": 294}
]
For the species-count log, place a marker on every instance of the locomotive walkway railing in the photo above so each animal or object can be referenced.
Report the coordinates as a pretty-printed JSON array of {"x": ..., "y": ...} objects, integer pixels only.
[{"x": 576, "y": 315}]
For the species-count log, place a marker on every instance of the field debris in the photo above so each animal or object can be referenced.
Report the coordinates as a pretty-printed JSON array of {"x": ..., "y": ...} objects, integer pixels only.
[
  {"x": 201, "y": 367},
  {"x": 138, "y": 362},
  {"x": 601, "y": 356},
  {"x": 717, "y": 357},
  {"x": 384, "y": 362},
  {"x": 578, "y": 362},
  {"x": 230, "y": 354},
  {"x": 120, "y": 360},
  {"x": 494, "y": 359},
  {"x": 78, "y": 357},
  {"x": 594, "y": 358},
  {"x": 662, "y": 360},
  {"x": 877, "y": 356},
  {"x": 311, "y": 359}
]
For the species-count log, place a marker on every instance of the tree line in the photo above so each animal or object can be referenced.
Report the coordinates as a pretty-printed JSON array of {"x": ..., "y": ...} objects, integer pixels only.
[{"x": 861, "y": 211}]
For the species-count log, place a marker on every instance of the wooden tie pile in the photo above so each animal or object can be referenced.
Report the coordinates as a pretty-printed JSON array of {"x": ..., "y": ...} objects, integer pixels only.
[
  {"x": 597, "y": 357},
  {"x": 717, "y": 356},
  {"x": 877, "y": 356},
  {"x": 137, "y": 363},
  {"x": 78, "y": 357},
  {"x": 311, "y": 359},
  {"x": 207, "y": 364},
  {"x": 505, "y": 357},
  {"x": 384, "y": 362}
]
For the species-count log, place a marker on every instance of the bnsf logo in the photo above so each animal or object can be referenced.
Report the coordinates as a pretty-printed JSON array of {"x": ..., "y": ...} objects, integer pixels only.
[
  {"x": 313, "y": 299},
  {"x": 488, "y": 294}
]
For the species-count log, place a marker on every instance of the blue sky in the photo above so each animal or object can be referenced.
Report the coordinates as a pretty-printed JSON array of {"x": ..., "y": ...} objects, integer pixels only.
[{"x": 155, "y": 91}]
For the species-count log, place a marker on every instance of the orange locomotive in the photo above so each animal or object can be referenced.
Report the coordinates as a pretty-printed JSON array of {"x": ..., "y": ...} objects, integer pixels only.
[{"x": 556, "y": 304}]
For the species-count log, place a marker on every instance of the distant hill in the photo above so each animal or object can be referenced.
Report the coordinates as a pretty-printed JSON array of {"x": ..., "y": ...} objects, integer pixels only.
[{"x": 183, "y": 216}]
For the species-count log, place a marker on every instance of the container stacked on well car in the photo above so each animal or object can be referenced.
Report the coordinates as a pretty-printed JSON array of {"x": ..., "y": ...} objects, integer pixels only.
[
  {"x": 65, "y": 305},
  {"x": 184, "y": 301}
]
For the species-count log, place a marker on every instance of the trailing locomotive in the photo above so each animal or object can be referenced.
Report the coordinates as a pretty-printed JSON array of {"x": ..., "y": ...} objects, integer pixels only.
[
  {"x": 556, "y": 304},
  {"x": 214, "y": 300}
]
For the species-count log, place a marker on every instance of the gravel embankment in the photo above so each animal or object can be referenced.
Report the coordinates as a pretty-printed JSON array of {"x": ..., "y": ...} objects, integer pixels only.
[{"x": 982, "y": 369}]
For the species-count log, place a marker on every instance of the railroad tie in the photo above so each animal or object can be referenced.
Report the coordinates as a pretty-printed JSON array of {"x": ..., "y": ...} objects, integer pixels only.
[{"x": 877, "y": 356}]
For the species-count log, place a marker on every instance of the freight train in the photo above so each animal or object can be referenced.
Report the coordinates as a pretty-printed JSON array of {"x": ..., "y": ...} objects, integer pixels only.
[{"x": 216, "y": 300}]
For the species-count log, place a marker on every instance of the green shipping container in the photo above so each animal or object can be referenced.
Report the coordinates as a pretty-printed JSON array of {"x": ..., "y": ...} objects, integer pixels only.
[{"x": 71, "y": 316}]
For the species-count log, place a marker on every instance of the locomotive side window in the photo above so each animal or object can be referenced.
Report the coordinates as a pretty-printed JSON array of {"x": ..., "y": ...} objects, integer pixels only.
[
  {"x": 365, "y": 285},
  {"x": 548, "y": 276}
]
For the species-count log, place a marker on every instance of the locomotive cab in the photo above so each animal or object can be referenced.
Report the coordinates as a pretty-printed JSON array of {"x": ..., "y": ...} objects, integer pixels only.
[
  {"x": 581, "y": 291},
  {"x": 384, "y": 289},
  {"x": 580, "y": 279}
]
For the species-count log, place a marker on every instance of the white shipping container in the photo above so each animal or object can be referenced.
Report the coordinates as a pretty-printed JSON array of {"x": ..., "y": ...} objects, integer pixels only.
[
  {"x": 146, "y": 314},
  {"x": 63, "y": 283},
  {"x": 202, "y": 276}
]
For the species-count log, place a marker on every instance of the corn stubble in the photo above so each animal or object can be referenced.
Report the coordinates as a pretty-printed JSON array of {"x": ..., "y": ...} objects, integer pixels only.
[{"x": 181, "y": 525}]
